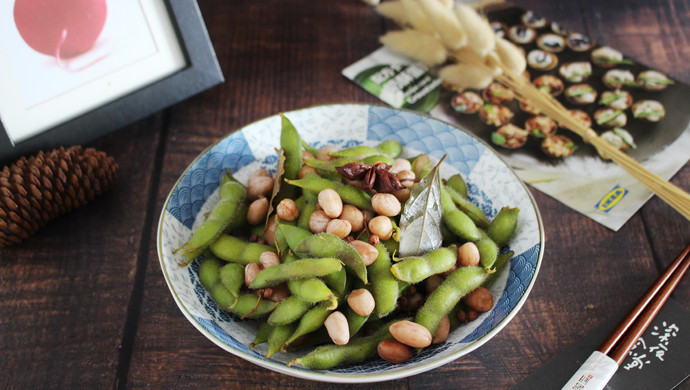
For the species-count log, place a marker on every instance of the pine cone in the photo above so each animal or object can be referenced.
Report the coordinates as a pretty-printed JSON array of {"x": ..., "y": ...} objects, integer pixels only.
[{"x": 40, "y": 188}]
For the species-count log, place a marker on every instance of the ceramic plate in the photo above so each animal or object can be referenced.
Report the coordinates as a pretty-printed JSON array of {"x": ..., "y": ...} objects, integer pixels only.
[{"x": 491, "y": 184}]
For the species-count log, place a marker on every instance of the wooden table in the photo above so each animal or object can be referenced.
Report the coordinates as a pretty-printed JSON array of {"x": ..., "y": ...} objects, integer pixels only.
[{"x": 84, "y": 303}]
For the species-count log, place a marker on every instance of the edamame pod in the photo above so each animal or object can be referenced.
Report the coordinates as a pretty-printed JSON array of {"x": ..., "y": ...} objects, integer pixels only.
[
  {"x": 209, "y": 272},
  {"x": 232, "y": 277},
  {"x": 329, "y": 245},
  {"x": 310, "y": 321},
  {"x": 235, "y": 250},
  {"x": 442, "y": 300},
  {"x": 246, "y": 306},
  {"x": 503, "y": 225},
  {"x": 348, "y": 194},
  {"x": 384, "y": 286},
  {"x": 354, "y": 321},
  {"x": 303, "y": 268},
  {"x": 457, "y": 183},
  {"x": 290, "y": 143},
  {"x": 488, "y": 251},
  {"x": 231, "y": 210},
  {"x": 312, "y": 290},
  {"x": 390, "y": 148},
  {"x": 262, "y": 334},
  {"x": 415, "y": 269},
  {"x": 305, "y": 212},
  {"x": 469, "y": 208},
  {"x": 288, "y": 311},
  {"x": 457, "y": 221},
  {"x": 293, "y": 235},
  {"x": 277, "y": 338}
]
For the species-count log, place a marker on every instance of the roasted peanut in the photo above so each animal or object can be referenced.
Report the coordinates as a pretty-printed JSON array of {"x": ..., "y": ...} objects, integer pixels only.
[
  {"x": 257, "y": 211},
  {"x": 394, "y": 351},
  {"x": 269, "y": 233},
  {"x": 325, "y": 153},
  {"x": 468, "y": 254},
  {"x": 269, "y": 259},
  {"x": 407, "y": 178},
  {"x": 366, "y": 251},
  {"x": 353, "y": 215},
  {"x": 381, "y": 226},
  {"x": 361, "y": 301},
  {"x": 287, "y": 210},
  {"x": 259, "y": 184},
  {"x": 304, "y": 170},
  {"x": 400, "y": 164},
  {"x": 442, "y": 331},
  {"x": 318, "y": 221},
  {"x": 337, "y": 327},
  {"x": 339, "y": 227},
  {"x": 386, "y": 204},
  {"x": 479, "y": 299},
  {"x": 432, "y": 282},
  {"x": 411, "y": 334},
  {"x": 403, "y": 195},
  {"x": 250, "y": 272},
  {"x": 330, "y": 202}
]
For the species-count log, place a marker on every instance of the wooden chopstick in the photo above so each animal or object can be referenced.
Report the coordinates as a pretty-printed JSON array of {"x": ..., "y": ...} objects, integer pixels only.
[{"x": 633, "y": 325}]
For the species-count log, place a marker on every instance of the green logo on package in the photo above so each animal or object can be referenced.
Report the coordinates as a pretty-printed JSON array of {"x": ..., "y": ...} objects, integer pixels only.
[{"x": 402, "y": 86}]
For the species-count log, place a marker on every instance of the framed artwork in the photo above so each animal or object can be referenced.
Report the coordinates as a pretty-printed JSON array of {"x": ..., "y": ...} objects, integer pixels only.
[{"x": 74, "y": 70}]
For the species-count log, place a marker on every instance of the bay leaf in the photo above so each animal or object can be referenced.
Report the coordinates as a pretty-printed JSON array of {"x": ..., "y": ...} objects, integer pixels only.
[{"x": 422, "y": 217}]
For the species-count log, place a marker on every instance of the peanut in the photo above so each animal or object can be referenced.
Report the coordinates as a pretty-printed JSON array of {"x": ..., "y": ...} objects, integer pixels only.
[
  {"x": 257, "y": 211},
  {"x": 339, "y": 227},
  {"x": 304, "y": 170},
  {"x": 479, "y": 299},
  {"x": 353, "y": 215},
  {"x": 393, "y": 351},
  {"x": 361, "y": 302},
  {"x": 269, "y": 259},
  {"x": 259, "y": 184},
  {"x": 411, "y": 334},
  {"x": 330, "y": 202},
  {"x": 325, "y": 153},
  {"x": 442, "y": 331},
  {"x": 366, "y": 251},
  {"x": 468, "y": 254},
  {"x": 400, "y": 164},
  {"x": 287, "y": 210},
  {"x": 337, "y": 327},
  {"x": 250, "y": 272},
  {"x": 318, "y": 221},
  {"x": 386, "y": 204}
]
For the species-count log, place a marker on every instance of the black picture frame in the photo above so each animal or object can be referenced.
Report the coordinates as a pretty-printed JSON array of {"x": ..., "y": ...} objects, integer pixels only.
[{"x": 202, "y": 71}]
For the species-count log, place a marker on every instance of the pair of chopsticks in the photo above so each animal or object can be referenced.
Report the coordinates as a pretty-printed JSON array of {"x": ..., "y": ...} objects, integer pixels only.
[{"x": 603, "y": 363}]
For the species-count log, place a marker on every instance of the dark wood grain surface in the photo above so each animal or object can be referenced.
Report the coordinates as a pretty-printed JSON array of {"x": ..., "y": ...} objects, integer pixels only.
[{"x": 84, "y": 304}]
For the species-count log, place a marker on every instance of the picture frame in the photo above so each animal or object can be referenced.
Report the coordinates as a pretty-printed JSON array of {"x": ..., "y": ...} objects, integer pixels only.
[{"x": 198, "y": 71}]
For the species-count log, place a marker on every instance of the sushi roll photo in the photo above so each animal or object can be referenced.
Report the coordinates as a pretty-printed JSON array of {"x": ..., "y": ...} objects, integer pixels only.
[
  {"x": 467, "y": 102},
  {"x": 541, "y": 60},
  {"x": 620, "y": 138},
  {"x": 607, "y": 57},
  {"x": 609, "y": 118},
  {"x": 528, "y": 108},
  {"x": 496, "y": 93},
  {"x": 541, "y": 126},
  {"x": 578, "y": 42},
  {"x": 551, "y": 42},
  {"x": 495, "y": 114},
  {"x": 581, "y": 94},
  {"x": 558, "y": 146},
  {"x": 619, "y": 99},
  {"x": 652, "y": 80},
  {"x": 558, "y": 29},
  {"x": 509, "y": 136},
  {"x": 581, "y": 116},
  {"x": 521, "y": 34},
  {"x": 619, "y": 78},
  {"x": 648, "y": 110},
  {"x": 575, "y": 72},
  {"x": 530, "y": 19},
  {"x": 549, "y": 84}
]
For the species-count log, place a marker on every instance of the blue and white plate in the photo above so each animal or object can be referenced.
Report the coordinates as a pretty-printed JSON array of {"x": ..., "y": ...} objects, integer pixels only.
[{"x": 492, "y": 184}]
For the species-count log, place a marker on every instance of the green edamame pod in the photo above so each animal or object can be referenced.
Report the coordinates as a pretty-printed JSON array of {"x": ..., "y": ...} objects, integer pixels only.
[
  {"x": 348, "y": 194},
  {"x": 457, "y": 221},
  {"x": 371, "y": 160},
  {"x": 310, "y": 321},
  {"x": 421, "y": 165},
  {"x": 390, "y": 148},
  {"x": 415, "y": 269},
  {"x": 262, "y": 334},
  {"x": 488, "y": 251},
  {"x": 290, "y": 142},
  {"x": 384, "y": 286},
  {"x": 329, "y": 245},
  {"x": 328, "y": 167},
  {"x": 355, "y": 351},
  {"x": 354, "y": 321},
  {"x": 247, "y": 305},
  {"x": 501, "y": 261},
  {"x": 442, "y": 300},
  {"x": 467, "y": 207},
  {"x": 231, "y": 210},
  {"x": 232, "y": 277},
  {"x": 457, "y": 183},
  {"x": 305, "y": 212},
  {"x": 235, "y": 250},
  {"x": 337, "y": 282},
  {"x": 209, "y": 272},
  {"x": 288, "y": 311},
  {"x": 303, "y": 268},
  {"x": 503, "y": 225},
  {"x": 293, "y": 235},
  {"x": 312, "y": 290},
  {"x": 278, "y": 337}
]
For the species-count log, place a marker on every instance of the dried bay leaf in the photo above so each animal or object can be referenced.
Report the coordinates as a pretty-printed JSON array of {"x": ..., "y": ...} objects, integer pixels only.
[{"x": 422, "y": 217}]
